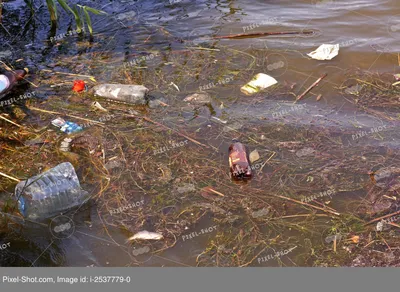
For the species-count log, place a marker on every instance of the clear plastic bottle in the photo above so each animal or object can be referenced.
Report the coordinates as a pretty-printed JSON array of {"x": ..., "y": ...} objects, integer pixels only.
[
  {"x": 50, "y": 193},
  {"x": 9, "y": 79},
  {"x": 134, "y": 94}
]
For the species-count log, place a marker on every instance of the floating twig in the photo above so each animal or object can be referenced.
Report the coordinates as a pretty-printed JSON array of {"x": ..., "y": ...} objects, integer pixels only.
[
  {"x": 204, "y": 49},
  {"x": 394, "y": 224},
  {"x": 8, "y": 68},
  {"x": 311, "y": 87},
  {"x": 306, "y": 204},
  {"x": 11, "y": 122},
  {"x": 10, "y": 177},
  {"x": 215, "y": 192},
  {"x": 259, "y": 34},
  {"x": 300, "y": 215},
  {"x": 71, "y": 74},
  {"x": 170, "y": 129},
  {"x": 64, "y": 114},
  {"x": 382, "y": 217}
]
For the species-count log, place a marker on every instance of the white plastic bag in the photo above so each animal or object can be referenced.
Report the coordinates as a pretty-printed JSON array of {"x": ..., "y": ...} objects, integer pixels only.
[{"x": 325, "y": 52}]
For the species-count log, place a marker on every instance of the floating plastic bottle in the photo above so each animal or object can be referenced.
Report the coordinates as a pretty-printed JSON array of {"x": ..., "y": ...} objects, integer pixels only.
[
  {"x": 239, "y": 161},
  {"x": 50, "y": 193},
  {"x": 134, "y": 94},
  {"x": 9, "y": 79}
]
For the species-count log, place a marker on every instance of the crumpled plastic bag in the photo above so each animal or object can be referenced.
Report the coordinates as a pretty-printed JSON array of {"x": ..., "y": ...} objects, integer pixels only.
[
  {"x": 258, "y": 83},
  {"x": 325, "y": 52}
]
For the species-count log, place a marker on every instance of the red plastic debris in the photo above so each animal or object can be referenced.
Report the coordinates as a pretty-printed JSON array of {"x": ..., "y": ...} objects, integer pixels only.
[{"x": 79, "y": 85}]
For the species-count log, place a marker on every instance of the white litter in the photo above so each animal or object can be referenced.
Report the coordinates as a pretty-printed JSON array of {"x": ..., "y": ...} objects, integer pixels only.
[
  {"x": 97, "y": 105},
  {"x": 146, "y": 235},
  {"x": 254, "y": 156},
  {"x": 258, "y": 83},
  {"x": 325, "y": 52},
  {"x": 379, "y": 226}
]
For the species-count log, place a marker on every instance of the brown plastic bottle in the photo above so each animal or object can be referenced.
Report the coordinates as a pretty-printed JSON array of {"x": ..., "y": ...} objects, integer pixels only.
[
  {"x": 9, "y": 79},
  {"x": 239, "y": 161}
]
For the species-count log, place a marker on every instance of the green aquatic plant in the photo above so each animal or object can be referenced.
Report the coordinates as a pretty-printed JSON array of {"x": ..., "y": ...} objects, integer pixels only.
[{"x": 76, "y": 10}]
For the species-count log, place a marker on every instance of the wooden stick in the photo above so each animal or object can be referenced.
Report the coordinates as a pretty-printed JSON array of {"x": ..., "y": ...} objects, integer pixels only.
[
  {"x": 70, "y": 74},
  {"x": 311, "y": 87},
  {"x": 215, "y": 192},
  {"x": 10, "y": 69},
  {"x": 64, "y": 114},
  {"x": 309, "y": 205},
  {"x": 204, "y": 49},
  {"x": 10, "y": 177},
  {"x": 11, "y": 122},
  {"x": 258, "y": 34},
  {"x": 394, "y": 224},
  {"x": 334, "y": 245},
  {"x": 323, "y": 205},
  {"x": 165, "y": 127},
  {"x": 300, "y": 215},
  {"x": 383, "y": 217}
]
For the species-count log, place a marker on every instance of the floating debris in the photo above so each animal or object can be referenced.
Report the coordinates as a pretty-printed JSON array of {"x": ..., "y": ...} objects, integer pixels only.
[
  {"x": 325, "y": 52},
  {"x": 198, "y": 98},
  {"x": 146, "y": 235},
  {"x": 258, "y": 83},
  {"x": 254, "y": 156}
]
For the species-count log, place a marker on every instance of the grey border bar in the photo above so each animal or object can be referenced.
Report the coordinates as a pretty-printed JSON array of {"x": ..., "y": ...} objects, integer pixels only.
[{"x": 208, "y": 279}]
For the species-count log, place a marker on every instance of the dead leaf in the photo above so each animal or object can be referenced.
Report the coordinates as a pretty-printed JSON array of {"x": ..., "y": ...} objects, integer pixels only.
[
  {"x": 254, "y": 156},
  {"x": 355, "y": 238}
]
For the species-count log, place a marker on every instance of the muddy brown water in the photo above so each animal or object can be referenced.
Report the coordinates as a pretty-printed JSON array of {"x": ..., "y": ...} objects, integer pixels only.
[{"x": 368, "y": 33}]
